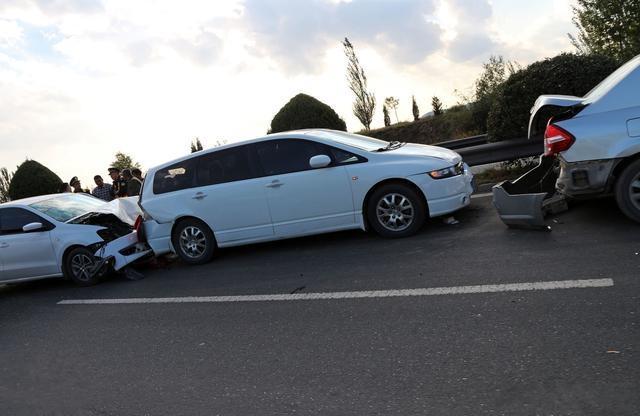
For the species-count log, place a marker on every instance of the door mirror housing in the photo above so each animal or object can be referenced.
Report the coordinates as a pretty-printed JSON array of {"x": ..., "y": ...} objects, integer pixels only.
[
  {"x": 320, "y": 161},
  {"x": 33, "y": 226}
]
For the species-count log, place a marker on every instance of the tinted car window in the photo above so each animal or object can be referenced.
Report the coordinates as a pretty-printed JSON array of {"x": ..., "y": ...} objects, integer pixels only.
[
  {"x": 342, "y": 157},
  {"x": 224, "y": 166},
  {"x": 285, "y": 156},
  {"x": 178, "y": 176},
  {"x": 13, "y": 219}
]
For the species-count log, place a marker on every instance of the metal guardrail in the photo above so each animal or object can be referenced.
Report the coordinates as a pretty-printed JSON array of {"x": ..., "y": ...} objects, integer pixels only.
[
  {"x": 484, "y": 153},
  {"x": 466, "y": 142}
]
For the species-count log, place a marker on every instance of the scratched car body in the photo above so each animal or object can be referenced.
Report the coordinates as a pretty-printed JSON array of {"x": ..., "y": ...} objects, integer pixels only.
[{"x": 72, "y": 235}]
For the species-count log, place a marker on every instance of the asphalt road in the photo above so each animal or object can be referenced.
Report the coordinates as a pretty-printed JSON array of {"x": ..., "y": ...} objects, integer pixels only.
[{"x": 551, "y": 352}]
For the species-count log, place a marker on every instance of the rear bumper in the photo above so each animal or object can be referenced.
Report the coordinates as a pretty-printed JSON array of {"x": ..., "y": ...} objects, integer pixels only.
[
  {"x": 585, "y": 178},
  {"x": 158, "y": 236}
]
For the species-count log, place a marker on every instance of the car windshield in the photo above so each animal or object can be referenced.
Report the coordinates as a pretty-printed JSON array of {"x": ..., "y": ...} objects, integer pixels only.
[
  {"x": 67, "y": 206},
  {"x": 355, "y": 140},
  {"x": 612, "y": 80}
]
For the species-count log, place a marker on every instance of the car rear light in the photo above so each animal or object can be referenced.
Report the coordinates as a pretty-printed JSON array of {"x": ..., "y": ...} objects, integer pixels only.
[
  {"x": 138, "y": 226},
  {"x": 556, "y": 140}
]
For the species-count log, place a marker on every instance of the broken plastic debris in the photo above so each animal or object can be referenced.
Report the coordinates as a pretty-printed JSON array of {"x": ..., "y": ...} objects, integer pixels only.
[
  {"x": 450, "y": 221},
  {"x": 610, "y": 351}
]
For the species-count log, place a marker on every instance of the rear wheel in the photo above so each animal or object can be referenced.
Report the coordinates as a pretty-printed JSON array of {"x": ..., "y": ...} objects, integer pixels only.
[
  {"x": 193, "y": 241},
  {"x": 396, "y": 210},
  {"x": 80, "y": 266},
  {"x": 628, "y": 191}
]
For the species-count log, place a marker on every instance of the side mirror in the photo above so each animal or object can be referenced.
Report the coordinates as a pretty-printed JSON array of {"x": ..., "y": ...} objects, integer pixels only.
[
  {"x": 32, "y": 226},
  {"x": 320, "y": 161}
]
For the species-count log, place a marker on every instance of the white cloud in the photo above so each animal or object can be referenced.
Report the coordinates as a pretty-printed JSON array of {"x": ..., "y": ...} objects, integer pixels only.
[{"x": 81, "y": 80}]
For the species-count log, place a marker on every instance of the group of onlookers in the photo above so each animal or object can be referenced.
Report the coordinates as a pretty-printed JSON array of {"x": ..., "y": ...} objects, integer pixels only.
[{"x": 127, "y": 182}]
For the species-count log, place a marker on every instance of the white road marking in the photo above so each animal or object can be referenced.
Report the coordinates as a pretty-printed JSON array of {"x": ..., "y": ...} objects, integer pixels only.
[
  {"x": 455, "y": 290},
  {"x": 484, "y": 195}
]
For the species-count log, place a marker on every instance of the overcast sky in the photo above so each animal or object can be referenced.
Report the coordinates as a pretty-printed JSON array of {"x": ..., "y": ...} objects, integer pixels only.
[{"x": 82, "y": 79}]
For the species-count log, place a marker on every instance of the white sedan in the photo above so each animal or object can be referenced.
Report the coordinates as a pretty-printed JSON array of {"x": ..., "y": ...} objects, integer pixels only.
[
  {"x": 72, "y": 235},
  {"x": 298, "y": 183}
]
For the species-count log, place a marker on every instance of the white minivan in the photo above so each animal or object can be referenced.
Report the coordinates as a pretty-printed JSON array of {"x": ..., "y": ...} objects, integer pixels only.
[{"x": 294, "y": 184}]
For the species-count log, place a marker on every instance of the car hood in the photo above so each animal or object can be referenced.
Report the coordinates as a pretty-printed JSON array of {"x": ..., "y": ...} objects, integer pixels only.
[
  {"x": 413, "y": 149},
  {"x": 126, "y": 209},
  {"x": 550, "y": 101},
  {"x": 117, "y": 216}
]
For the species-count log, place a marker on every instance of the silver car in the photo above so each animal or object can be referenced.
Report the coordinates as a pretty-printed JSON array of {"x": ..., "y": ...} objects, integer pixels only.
[{"x": 597, "y": 139}]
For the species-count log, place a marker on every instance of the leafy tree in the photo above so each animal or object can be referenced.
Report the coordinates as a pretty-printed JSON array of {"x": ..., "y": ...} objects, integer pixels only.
[
  {"x": 494, "y": 73},
  {"x": 607, "y": 27},
  {"x": 567, "y": 74},
  {"x": 5, "y": 181},
  {"x": 436, "y": 104},
  {"x": 387, "y": 119},
  {"x": 124, "y": 161},
  {"x": 415, "y": 109},
  {"x": 392, "y": 102},
  {"x": 304, "y": 112},
  {"x": 196, "y": 146},
  {"x": 33, "y": 179},
  {"x": 365, "y": 101}
]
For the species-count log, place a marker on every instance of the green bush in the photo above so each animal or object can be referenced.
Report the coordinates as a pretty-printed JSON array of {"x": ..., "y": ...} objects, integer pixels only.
[
  {"x": 566, "y": 74},
  {"x": 33, "y": 179},
  {"x": 305, "y": 112}
]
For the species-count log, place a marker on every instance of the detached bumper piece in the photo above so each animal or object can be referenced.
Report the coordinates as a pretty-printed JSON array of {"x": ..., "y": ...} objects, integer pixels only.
[{"x": 525, "y": 202}]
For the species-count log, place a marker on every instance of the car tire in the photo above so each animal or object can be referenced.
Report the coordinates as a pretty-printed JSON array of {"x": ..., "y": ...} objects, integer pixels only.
[
  {"x": 77, "y": 267},
  {"x": 193, "y": 241},
  {"x": 396, "y": 210},
  {"x": 627, "y": 191}
]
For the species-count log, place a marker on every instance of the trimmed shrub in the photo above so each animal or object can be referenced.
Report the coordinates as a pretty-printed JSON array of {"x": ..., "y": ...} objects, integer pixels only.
[
  {"x": 33, "y": 179},
  {"x": 566, "y": 74},
  {"x": 305, "y": 112}
]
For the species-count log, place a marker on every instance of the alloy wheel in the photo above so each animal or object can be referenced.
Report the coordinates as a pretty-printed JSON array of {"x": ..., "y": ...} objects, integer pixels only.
[
  {"x": 395, "y": 212},
  {"x": 193, "y": 242}
]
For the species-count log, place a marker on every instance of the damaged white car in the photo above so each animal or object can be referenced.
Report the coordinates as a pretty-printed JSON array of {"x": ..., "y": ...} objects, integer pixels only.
[{"x": 73, "y": 235}]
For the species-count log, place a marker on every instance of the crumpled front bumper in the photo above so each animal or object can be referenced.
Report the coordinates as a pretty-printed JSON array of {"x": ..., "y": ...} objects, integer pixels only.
[{"x": 124, "y": 250}]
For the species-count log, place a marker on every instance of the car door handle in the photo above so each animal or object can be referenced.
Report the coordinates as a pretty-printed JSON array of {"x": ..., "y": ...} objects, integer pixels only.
[
  {"x": 199, "y": 195},
  {"x": 4, "y": 245},
  {"x": 275, "y": 184}
]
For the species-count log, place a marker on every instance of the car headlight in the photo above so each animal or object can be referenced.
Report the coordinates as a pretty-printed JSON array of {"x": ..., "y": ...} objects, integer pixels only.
[{"x": 447, "y": 172}]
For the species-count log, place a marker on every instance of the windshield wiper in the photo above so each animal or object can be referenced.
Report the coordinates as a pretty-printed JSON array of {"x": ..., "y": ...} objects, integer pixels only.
[{"x": 392, "y": 145}]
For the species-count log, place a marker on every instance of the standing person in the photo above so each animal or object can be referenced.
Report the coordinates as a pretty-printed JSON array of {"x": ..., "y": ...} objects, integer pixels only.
[
  {"x": 133, "y": 183},
  {"x": 102, "y": 190},
  {"x": 137, "y": 173},
  {"x": 77, "y": 187},
  {"x": 119, "y": 186},
  {"x": 64, "y": 188}
]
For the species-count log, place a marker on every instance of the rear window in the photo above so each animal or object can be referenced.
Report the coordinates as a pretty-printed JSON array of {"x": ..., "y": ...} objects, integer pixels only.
[{"x": 178, "y": 176}]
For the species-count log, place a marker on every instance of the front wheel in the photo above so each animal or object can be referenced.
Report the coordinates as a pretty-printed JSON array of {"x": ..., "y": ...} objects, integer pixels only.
[
  {"x": 396, "y": 210},
  {"x": 193, "y": 241},
  {"x": 628, "y": 191},
  {"x": 80, "y": 266}
]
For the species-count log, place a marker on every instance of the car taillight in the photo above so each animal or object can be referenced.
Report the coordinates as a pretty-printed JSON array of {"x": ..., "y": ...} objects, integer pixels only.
[
  {"x": 138, "y": 226},
  {"x": 556, "y": 140}
]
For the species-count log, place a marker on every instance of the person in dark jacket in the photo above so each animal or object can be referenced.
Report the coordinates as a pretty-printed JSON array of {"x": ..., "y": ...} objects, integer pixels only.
[
  {"x": 119, "y": 186},
  {"x": 133, "y": 184},
  {"x": 77, "y": 187}
]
